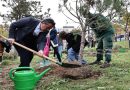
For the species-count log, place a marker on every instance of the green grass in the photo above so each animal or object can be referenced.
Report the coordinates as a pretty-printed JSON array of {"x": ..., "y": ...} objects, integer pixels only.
[
  {"x": 124, "y": 44},
  {"x": 116, "y": 77}
]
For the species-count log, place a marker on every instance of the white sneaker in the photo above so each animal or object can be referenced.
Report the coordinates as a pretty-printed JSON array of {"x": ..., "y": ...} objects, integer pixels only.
[
  {"x": 41, "y": 64},
  {"x": 45, "y": 63}
]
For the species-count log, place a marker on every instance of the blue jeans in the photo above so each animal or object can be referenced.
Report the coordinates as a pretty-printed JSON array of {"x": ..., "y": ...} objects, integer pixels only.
[
  {"x": 72, "y": 55},
  {"x": 60, "y": 49}
]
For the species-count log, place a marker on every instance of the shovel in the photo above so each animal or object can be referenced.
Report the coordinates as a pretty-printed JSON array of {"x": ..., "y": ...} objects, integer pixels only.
[{"x": 35, "y": 52}]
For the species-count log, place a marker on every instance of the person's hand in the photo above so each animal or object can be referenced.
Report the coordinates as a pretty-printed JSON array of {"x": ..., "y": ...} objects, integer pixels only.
[
  {"x": 40, "y": 52},
  {"x": 11, "y": 40}
]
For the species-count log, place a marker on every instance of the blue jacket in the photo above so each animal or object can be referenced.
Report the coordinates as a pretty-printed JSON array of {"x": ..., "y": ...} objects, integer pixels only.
[
  {"x": 25, "y": 26},
  {"x": 53, "y": 37}
]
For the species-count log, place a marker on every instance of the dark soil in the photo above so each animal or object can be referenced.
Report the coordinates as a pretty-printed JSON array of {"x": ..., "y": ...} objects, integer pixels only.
[{"x": 71, "y": 71}]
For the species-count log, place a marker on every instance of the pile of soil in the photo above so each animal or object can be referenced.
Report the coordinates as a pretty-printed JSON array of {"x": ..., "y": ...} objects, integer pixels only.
[{"x": 71, "y": 71}]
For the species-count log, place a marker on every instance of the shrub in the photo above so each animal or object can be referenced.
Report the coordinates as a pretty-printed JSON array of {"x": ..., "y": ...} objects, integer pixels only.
[
  {"x": 11, "y": 55},
  {"x": 6, "y": 62},
  {"x": 116, "y": 47}
]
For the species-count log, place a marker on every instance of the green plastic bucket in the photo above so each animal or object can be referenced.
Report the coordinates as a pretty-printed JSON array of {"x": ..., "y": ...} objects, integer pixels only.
[{"x": 122, "y": 50}]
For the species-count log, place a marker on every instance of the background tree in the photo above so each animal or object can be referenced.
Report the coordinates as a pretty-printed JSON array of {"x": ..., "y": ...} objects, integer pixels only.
[
  {"x": 21, "y": 8},
  {"x": 126, "y": 15},
  {"x": 79, "y": 10},
  {"x": 18, "y": 9},
  {"x": 125, "y": 18},
  {"x": 2, "y": 30},
  {"x": 126, "y": 21},
  {"x": 118, "y": 30},
  {"x": 47, "y": 13}
]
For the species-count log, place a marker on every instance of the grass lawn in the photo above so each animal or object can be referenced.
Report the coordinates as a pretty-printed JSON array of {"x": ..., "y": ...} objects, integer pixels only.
[{"x": 116, "y": 77}]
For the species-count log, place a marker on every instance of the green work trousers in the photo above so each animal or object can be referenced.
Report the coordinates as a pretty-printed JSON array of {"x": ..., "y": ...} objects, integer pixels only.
[{"x": 105, "y": 44}]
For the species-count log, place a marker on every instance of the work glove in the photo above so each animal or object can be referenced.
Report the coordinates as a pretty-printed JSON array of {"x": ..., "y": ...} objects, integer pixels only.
[{"x": 7, "y": 46}]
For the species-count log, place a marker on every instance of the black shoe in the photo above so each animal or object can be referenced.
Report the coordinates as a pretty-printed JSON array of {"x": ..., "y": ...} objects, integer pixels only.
[
  {"x": 105, "y": 65},
  {"x": 96, "y": 62},
  {"x": 83, "y": 62}
]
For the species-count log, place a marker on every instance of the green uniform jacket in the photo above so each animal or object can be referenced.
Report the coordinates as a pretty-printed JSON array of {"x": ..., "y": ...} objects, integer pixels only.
[{"x": 101, "y": 26}]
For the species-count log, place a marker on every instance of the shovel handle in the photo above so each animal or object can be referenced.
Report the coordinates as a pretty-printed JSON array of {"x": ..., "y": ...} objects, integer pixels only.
[{"x": 31, "y": 50}]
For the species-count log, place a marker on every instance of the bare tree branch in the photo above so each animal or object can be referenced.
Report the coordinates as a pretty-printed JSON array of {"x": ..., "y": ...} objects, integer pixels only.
[{"x": 69, "y": 17}]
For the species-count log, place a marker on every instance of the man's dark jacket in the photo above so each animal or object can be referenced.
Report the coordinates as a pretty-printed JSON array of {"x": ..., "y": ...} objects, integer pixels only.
[
  {"x": 74, "y": 41},
  {"x": 23, "y": 29}
]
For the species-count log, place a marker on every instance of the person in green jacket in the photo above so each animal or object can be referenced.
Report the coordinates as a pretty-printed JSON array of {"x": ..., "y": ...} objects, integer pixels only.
[{"x": 104, "y": 33}]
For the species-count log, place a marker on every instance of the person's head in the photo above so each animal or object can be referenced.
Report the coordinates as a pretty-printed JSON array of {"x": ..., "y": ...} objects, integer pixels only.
[
  {"x": 91, "y": 17},
  {"x": 62, "y": 35},
  {"x": 47, "y": 24}
]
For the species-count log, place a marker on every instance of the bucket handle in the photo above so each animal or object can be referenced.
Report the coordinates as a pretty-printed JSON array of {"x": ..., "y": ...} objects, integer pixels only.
[{"x": 19, "y": 68}]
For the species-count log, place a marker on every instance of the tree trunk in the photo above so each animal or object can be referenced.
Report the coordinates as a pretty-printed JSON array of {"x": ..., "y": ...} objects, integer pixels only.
[
  {"x": 82, "y": 45},
  {"x": 129, "y": 38},
  {"x": 129, "y": 43},
  {"x": 126, "y": 31},
  {"x": 116, "y": 37}
]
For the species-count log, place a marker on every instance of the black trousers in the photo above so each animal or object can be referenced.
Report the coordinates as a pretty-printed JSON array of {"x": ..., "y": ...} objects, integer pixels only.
[
  {"x": 56, "y": 52},
  {"x": 0, "y": 58},
  {"x": 25, "y": 55}
]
